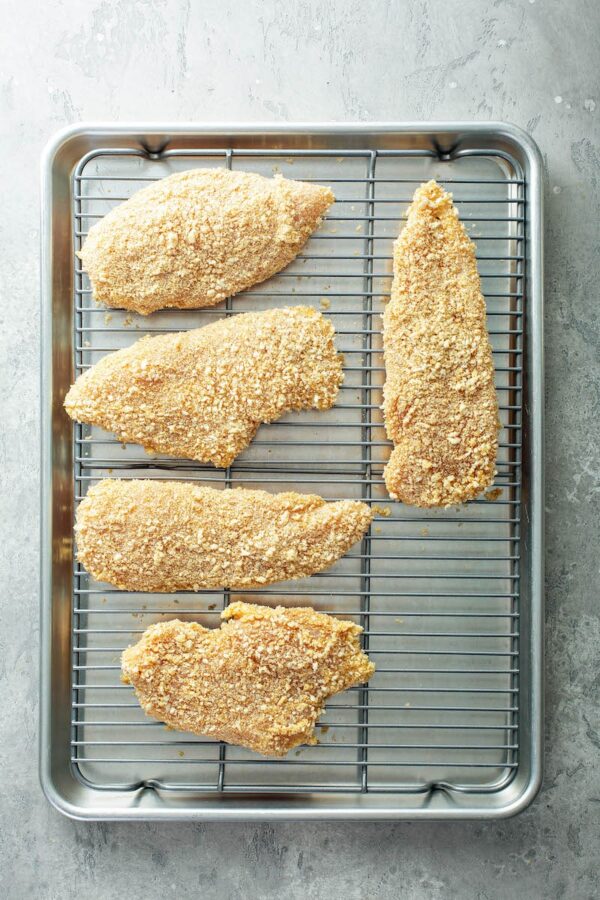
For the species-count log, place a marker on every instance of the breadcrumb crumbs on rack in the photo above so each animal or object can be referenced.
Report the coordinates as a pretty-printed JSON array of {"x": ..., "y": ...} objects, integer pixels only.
[
  {"x": 384, "y": 511},
  {"x": 151, "y": 535},
  {"x": 440, "y": 405},
  {"x": 203, "y": 394},
  {"x": 260, "y": 680},
  {"x": 195, "y": 238},
  {"x": 494, "y": 494}
]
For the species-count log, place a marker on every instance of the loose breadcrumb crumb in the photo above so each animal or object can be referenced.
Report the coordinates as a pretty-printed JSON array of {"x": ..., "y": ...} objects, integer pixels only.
[
  {"x": 382, "y": 511},
  {"x": 260, "y": 681},
  {"x": 494, "y": 494}
]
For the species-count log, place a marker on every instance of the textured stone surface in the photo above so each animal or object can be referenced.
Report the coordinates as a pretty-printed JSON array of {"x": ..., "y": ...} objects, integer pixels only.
[{"x": 533, "y": 63}]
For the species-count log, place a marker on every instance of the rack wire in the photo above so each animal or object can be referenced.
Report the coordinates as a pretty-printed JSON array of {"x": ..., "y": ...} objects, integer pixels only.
[{"x": 437, "y": 592}]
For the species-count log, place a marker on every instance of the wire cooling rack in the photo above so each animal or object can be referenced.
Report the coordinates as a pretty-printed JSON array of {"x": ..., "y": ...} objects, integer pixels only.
[{"x": 437, "y": 592}]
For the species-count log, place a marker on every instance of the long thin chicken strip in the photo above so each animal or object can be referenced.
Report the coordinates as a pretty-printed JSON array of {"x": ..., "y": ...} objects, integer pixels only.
[
  {"x": 197, "y": 237},
  {"x": 440, "y": 404},
  {"x": 260, "y": 681},
  {"x": 144, "y": 535},
  {"x": 202, "y": 394}
]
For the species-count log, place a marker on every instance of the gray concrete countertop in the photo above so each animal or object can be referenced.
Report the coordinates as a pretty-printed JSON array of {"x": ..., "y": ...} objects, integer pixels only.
[{"x": 531, "y": 62}]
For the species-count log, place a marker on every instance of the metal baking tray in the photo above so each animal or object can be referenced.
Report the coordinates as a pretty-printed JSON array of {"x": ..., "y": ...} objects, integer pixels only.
[{"x": 451, "y": 600}]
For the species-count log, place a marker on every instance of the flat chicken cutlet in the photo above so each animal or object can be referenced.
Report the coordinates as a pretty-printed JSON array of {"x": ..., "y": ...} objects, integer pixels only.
[
  {"x": 195, "y": 238},
  {"x": 141, "y": 535},
  {"x": 203, "y": 394},
  {"x": 440, "y": 403},
  {"x": 260, "y": 681}
]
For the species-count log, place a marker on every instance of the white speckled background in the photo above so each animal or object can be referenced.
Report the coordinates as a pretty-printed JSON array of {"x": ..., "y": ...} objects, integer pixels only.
[{"x": 532, "y": 62}]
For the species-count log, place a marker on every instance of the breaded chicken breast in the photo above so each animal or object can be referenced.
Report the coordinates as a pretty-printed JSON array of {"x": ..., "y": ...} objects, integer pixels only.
[
  {"x": 144, "y": 535},
  {"x": 440, "y": 403},
  {"x": 197, "y": 237},
  {"x": 260, "y": 681},
  {"x": 202, "y": 394}
]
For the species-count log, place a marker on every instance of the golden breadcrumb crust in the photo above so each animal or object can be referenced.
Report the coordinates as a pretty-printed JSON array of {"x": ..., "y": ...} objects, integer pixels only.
[
  {"x": 202, "y": 394},
  {"x": 142, "y": 535},
  {"x": 260, "y": 681},
  {"x": 440, "y": 403},
  {"x": 197, "y": 237}
]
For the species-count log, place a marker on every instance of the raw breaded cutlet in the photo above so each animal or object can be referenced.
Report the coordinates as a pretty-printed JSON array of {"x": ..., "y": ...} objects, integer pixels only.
[
  {"x": 440, "y": 402},
  {"x": 142, "y": 535},
  {"x": 195, "y": 238},
  {"x": 260, "y": 681},
  {"x": 203, "y": 394}
]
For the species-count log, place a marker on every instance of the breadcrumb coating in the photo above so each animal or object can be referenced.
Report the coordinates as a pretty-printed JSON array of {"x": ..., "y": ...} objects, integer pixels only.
[
  {"x": 142, "y": 535},
  {"x": 203, "y": 394},
  {"x": 195, "y": 238},
  {"x": 260, "y": 681},
  {"x": 440, "y": 403}
]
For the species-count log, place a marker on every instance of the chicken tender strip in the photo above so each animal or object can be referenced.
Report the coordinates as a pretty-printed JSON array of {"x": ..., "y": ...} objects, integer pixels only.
[
  {"x": 203, "y": 394},
  {"x": 165, "y": 536},
  {"x": 260, "y": 681},
  {"x": 197, "y": 237},
  {"x": 440, "y": 403}
]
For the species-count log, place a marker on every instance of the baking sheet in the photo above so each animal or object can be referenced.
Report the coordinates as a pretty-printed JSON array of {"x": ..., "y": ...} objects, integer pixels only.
[{"x": 447, "y": 720}]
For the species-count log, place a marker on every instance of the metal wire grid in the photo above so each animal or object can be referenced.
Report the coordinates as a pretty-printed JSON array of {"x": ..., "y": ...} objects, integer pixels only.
[{"x": 447, "y": 682}]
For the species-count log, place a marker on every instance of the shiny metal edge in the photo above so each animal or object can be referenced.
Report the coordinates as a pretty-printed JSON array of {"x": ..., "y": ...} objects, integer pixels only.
[{"x": 54, "y": 782}]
